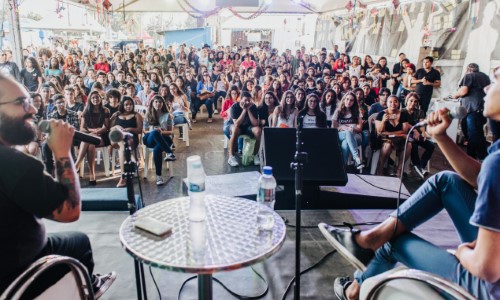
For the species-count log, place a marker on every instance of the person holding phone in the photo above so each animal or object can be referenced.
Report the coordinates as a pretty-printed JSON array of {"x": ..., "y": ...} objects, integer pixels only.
[{"x": 392, "y": 126}]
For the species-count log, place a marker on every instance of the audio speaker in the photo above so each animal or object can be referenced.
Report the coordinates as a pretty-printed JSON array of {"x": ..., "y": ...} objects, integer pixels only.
[{"x": 324, "y": 164}]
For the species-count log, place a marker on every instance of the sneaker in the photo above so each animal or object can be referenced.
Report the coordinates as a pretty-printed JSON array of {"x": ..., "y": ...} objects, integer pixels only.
[
  {"x": 256, "y": 160},
  {"x": 340, "y": 285},
  {"x": 190, "y": 125},
  {"x": 159, "y": 180},
  {"x": 419, "y": 171},
  {"x": 102, "y": 283},
  {"x": 359, "y": 164},
  {"x": 209, "y": 120},
  {"x": 216, "y": 111},
  {"x": 180, "y": 137},
  {"x": 170, "y": 157},
  {"x": 343, "y": 240},
  {"x": 232, "y": 161},
  {"x": 193, "y": 120}
]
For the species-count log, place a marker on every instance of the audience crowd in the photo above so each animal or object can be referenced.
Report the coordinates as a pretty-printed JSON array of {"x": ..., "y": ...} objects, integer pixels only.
[{"x": 148, "y": 91}]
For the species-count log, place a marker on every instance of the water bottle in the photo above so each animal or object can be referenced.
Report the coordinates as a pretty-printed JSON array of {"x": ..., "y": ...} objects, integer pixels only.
[
  {"x": 266, "y": 199},
  {"x": 196, "y": 188}
]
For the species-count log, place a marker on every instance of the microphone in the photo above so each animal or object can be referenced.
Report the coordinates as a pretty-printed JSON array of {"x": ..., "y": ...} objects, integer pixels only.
[
  {"x": 116, "y": 135},
  {"x": 44, "y": 127},
  {"x": 458, "y": 113}
]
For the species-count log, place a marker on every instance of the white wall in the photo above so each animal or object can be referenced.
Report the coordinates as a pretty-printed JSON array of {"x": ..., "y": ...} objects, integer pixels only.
[{"x": 297, "y": 29}]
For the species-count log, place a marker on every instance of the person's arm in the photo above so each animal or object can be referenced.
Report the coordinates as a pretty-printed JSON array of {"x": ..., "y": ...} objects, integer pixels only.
[
  {"x": 276, "y": 113},
  {"x": 462, "y": 92},
  {"x": 239, "y": 121},
  {"x": 380, "y": 124},
  {"x": 60, "y": 142},
  {"x": 138, "y": 128},
  {"x": 466, "y": 167},
  {"x": 480, "y": 257},
  {"x": 253, "y": 118}
]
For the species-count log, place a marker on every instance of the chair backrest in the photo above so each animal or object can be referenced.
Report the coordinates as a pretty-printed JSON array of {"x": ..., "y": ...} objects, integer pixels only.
[
  {"x": 371, "y": 121},
  {"x": 402, "y": 284},
  {"x": 74, "y": 285},
  {"x": 141, "y": 109}
]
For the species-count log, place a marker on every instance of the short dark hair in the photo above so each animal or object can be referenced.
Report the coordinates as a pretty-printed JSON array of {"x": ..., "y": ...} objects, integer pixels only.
[
  {"x": 114, "y": 93},
  {"x": 246, "y": 94},
  {"x": 429, "y": 58}
]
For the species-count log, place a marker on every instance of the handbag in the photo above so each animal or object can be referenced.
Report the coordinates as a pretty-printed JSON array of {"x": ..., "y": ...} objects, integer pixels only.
[{"x": 206, "y": 95}]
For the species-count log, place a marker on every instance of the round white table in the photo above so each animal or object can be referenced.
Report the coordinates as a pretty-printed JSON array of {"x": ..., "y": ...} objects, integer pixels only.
[{"x": 228, "y": 239}]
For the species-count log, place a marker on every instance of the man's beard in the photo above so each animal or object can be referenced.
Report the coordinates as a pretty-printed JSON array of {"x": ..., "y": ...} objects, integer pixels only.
[{"x": 15, "y": 131}]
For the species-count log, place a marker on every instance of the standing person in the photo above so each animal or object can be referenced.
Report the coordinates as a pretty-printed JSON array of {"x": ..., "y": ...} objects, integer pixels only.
[
  {"x": 158, "y": 130},
  {"x": 23, "y": 208},
  {"x": 8, "y": 67},
  {"x": 397, "y": 69},
  {"x": 428, "y": 78},
  {"x": 31, "y": 75},
  {"x": 418, "y": 138},
  {"x": 471, "y": 90},
  {"x": 470, "y": 195}
]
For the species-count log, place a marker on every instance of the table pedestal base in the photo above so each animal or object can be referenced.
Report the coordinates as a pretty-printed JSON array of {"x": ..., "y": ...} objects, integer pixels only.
[{"x": 205, "y": 286}]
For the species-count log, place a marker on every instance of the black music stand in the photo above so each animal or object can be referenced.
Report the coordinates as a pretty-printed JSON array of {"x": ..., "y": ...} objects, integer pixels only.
[{"x": 315, "y": 161}]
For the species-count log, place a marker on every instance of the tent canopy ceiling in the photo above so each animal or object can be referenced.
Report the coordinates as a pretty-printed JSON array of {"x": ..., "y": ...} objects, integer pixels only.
[{"x": 275, "y": 6}]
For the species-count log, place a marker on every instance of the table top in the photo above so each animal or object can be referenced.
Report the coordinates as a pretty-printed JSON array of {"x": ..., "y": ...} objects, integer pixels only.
[
  {"x": 233, "y": 185},
  {"x": 228, "y": 239}
]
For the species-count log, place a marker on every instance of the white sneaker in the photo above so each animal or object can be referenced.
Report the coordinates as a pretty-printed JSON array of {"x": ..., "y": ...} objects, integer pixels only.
[
  {"x": 232, "y": 161},
  {"x": 159, "y": 180},
  {"x": 216, "y": 111},
  {"x": 102, "y": 284},
  {"x": 256, "y": 160}
]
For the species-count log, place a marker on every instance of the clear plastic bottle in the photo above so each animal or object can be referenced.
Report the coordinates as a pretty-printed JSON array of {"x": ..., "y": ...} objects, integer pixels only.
[
  {"x": 196, "y": 188},
  {"x": 266, "y": 197}
]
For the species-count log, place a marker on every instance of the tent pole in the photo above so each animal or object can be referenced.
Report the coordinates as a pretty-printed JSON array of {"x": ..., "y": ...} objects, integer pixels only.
[{"x": 17, "y": 50}]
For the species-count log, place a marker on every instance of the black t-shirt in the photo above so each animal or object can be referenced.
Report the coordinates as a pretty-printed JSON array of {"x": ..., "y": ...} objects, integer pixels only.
[
  {"x": 263, "y": 114},
  {"x": 475, "y": 82},
  {"x": 112, "y": 110},
  {"x": 27, "y": 195},
  {"x": 236, "y": 111},
  {"x": 388, "y": 126},
  {"x": 425, "y": 91},
  {"x": 76, "y": 108},
  {"x": 30, "y": 79}
]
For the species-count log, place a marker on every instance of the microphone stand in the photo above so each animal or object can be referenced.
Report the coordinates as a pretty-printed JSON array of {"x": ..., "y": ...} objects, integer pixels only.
[
  {"x": 129, "y": 171},
  {"x": 299, "y": 160}
]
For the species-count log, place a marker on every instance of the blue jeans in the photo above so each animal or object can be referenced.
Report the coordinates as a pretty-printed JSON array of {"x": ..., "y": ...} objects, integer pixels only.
[
  {"x": 445, "y": 190},
  {"x": 197, "y": 103},
  {"x": 476, "y": 147},
  {"x": 160, "y": 144},
  {"x": 426, "y": 156},
  {"x": 349, "y": 142}
]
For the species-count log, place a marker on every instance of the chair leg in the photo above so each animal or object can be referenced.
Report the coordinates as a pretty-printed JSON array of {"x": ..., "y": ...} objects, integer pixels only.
[
  {"x": 105, "y": 156},
  {"x": 185, "y": 133}
]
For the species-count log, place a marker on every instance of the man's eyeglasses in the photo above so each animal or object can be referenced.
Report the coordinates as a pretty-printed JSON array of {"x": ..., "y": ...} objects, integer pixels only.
[{"x": 25, "y": 102}]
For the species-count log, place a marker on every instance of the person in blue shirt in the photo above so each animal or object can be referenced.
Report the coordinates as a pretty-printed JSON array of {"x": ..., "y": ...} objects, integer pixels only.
[{"x": 470, "y": 195}]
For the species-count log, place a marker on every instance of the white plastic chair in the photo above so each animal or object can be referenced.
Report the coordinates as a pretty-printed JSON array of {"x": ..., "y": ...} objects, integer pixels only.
[
  {"x": 74, "y": 285},
  {"x": 185, "y": 132},
  {"x": 411, "y": 284},
  {"x": 101, "y": 151},
  {"x": 148, "y": 161}
]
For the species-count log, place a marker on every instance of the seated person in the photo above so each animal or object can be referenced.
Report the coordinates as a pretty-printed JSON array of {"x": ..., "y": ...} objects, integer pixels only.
[
  {"x": 470, "y": 195},
  {"x": 95, "y": 121},
  {"x": 418, "y": 138},
  {"x": 382, "y": 102},
  {"x": 245, "y": 120},
  {"x": 158, "y": 130},
  {"x": 347, "y": 119},
  {"x": 311, "y": 115},
  {"x": 392, "y": 126},
  {"x": 63, "y": 114},
  {"x": 21, "y": 209}
]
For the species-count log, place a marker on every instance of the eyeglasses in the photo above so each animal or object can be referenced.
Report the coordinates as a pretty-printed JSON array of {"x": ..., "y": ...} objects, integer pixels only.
[{"x": 24, "y": 101}]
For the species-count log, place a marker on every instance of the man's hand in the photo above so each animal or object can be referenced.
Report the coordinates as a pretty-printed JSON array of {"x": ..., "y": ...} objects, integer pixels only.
[
  {"x": 438, "y": 122},
  {"x": 464, "y": 247},
  {"x": 60, "y": 139}
]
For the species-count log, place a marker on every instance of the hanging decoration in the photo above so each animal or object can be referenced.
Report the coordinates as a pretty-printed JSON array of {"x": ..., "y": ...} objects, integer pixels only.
[
  {"x": 262, "y": 8},
  {"x": 202, "y": 14}
]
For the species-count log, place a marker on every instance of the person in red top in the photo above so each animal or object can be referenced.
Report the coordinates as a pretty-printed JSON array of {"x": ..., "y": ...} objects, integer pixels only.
[
  {"x": 102, "y": 64},
  {"x": 232, "y": 97},
  {"x": 248, "y": 62},
  {"x": 225, "y": 61}
]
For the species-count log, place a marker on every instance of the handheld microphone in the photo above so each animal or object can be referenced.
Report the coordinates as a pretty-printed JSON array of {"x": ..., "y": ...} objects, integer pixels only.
[
  {"x": 116, "y": 135},
  {"x": 44, "y": 127},
  {"x": 458, "y": 113}
]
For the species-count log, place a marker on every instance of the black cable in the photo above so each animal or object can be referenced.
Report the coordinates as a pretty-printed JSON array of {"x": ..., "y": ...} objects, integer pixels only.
[
  {"x": 154, "y": 281},
  {"x": 344, "y": 224},
  {"x": 307, "y": 270},
  {"x": 236, "y": 295},
  {"x": 378, "y": 187}
]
